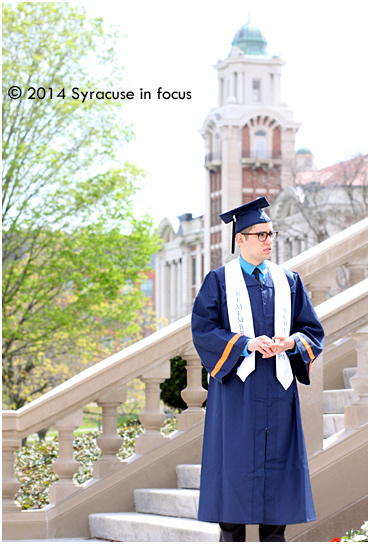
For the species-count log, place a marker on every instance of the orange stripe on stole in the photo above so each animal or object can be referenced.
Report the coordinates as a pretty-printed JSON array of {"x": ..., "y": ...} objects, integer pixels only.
[
  {"x": 225, "y": 354},
  {"x": 309, "y": 350}
]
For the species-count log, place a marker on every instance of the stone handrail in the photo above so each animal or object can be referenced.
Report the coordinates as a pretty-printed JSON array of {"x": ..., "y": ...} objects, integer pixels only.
[{"x": 149, "y": 360}]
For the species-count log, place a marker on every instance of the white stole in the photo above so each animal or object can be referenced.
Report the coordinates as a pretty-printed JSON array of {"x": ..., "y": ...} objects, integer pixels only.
[{"x": 241, "y": 320}]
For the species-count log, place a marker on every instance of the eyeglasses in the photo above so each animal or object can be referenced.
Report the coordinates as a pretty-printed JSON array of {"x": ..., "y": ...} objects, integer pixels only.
[{"x": 262, "y": 236}]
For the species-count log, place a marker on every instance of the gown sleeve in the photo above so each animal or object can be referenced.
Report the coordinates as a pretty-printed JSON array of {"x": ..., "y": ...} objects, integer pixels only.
[
  {"x": 218, "y": 348},
  {"x": 307, "y": 332}
]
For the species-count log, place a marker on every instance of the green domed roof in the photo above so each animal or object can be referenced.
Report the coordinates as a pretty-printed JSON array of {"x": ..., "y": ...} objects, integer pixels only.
[
  {"x": 304, "y": 151},
  {"x": 250, "y": 39}
]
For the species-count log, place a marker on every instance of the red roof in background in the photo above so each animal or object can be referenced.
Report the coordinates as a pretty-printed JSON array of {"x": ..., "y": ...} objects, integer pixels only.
[{"x": 351, "y": 172}]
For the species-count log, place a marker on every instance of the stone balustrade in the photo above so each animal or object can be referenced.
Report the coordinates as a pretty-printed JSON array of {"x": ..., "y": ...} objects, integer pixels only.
[
  {"x": 109, "y": 441},
  {"x": 149, "y": 360}
]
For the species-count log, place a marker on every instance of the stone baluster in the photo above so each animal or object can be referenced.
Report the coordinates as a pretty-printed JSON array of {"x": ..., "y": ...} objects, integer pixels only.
[
  {"x": 194, "y": 394},
  {"x": 320, "y": 287},
  {"x": 357, "y": 414},
  {"x": 109, "y": 441},
  {"x": 65, "y": 466},
  {"x": 357, "y": 270},
  {"x": 11, "y": 443},
  {"x": 319, "y": 294},
  {"x": 152, "y": 417}
]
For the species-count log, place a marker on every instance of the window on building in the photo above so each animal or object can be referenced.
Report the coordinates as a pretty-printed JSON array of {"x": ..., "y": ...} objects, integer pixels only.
[
  {"x": 216, "y": 258},
  {"x": 168, "y": 235},
  {"x": 256, "y": 90},
  {"x": 193, "y": 270},
  {"x": 147, "y": 287},
  {"x": 215, "y": 180},
  {"x": 218, "y": 181},
  {"x": 260, "y": 145},
  {"x": 212, "y": 211},
  {"x": 215, "y": 210}
]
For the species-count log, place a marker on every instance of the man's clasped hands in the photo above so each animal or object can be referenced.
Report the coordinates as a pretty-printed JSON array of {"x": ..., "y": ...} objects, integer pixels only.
[{"x": 269, "y": 347}]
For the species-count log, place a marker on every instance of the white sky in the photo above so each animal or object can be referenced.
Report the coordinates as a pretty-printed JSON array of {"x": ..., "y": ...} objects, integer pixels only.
[{"x": 173, "y": 45}]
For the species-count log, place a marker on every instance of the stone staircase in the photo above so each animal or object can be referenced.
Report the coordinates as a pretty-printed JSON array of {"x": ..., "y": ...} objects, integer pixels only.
[
  {"x": 334, "y": 401},
  {"x": 162, "y": 515},
  {"x": 170, "y": 515}
]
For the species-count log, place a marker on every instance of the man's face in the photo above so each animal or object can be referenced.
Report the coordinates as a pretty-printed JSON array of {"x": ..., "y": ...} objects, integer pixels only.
[{"x": 252, "y": 250}]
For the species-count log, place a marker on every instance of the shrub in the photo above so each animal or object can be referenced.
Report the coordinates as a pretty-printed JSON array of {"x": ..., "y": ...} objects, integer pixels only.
[
  {"x": 33, "y": 470},
  {"x": 172, "y": 387}
]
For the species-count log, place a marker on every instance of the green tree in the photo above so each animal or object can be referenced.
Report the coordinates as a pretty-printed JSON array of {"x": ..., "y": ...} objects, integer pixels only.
[{"x": 74, "y": 252}]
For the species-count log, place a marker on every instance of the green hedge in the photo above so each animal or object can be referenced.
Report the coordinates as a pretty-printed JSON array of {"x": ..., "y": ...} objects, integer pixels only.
[{"x": 172, "y": 387}]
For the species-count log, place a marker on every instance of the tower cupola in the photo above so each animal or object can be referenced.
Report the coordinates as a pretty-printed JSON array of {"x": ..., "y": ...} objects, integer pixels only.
[{"x": 250, "y": 40}]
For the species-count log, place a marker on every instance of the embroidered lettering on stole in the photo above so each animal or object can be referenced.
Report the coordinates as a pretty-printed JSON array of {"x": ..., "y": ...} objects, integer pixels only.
[{"x": 241, "y": 320}]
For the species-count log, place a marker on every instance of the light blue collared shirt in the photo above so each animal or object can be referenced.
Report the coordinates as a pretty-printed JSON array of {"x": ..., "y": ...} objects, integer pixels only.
[{"x": 248, "y": 267}]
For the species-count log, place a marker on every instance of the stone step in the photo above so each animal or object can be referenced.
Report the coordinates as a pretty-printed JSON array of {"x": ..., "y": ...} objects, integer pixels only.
[
  {"x": 335, "y": 400},
  {"x": 188, "y": 476},
  {"x": 333, "y": 423},
  {"x": 135, "y": 527},
  {"x": 182, "y": 503}
]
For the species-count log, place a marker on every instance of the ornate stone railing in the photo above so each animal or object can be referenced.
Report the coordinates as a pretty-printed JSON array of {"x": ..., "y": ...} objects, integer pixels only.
[
  {"x": 149, "y": 360},
  {"x": 105, "y": 383}
]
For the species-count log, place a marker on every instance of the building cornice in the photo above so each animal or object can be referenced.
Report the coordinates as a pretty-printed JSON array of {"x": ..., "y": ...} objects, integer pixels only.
[{"x": 240, "y": 115}]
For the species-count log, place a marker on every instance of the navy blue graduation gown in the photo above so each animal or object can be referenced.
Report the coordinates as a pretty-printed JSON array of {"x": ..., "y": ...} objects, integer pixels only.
[{"x": 254, "y": 463}]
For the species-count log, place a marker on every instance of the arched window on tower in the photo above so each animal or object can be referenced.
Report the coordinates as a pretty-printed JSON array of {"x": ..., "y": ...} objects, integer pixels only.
[{"x": 260, "y": 145}]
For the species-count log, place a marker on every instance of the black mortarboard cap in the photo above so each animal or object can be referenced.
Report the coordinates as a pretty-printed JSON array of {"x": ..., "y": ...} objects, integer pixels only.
[{"x": 245, "y": 216}]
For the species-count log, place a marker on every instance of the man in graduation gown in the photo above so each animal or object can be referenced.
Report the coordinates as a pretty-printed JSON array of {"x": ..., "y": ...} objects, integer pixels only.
[{"x": 256, "y": 333}]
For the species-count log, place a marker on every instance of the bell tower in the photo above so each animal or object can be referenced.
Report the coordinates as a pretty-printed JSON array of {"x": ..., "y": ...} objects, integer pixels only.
[{"x": 249, "y": 138}]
